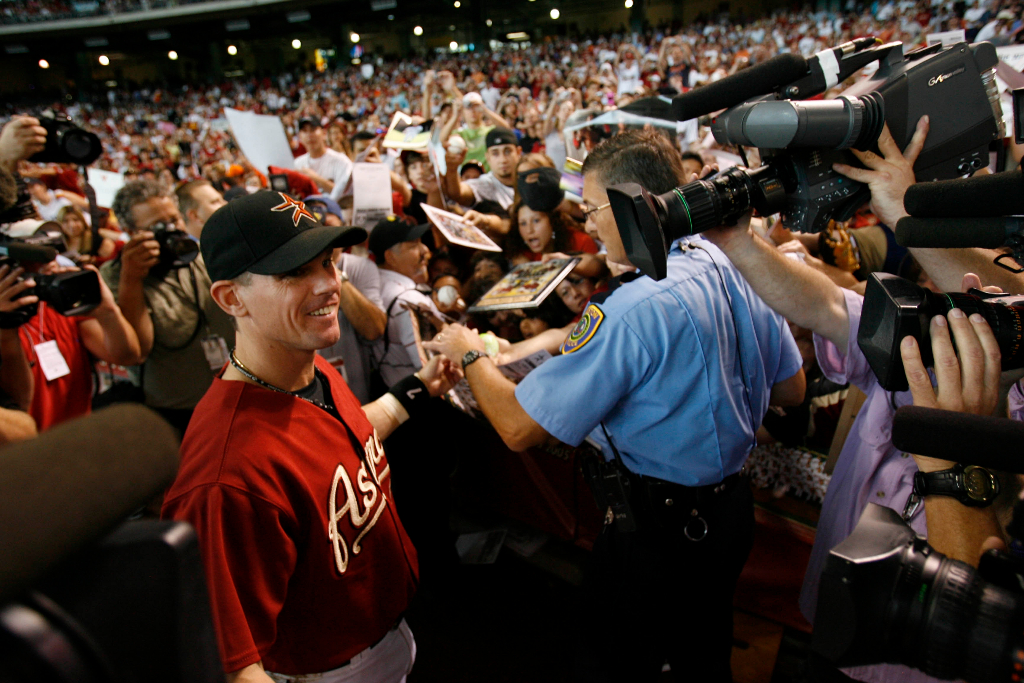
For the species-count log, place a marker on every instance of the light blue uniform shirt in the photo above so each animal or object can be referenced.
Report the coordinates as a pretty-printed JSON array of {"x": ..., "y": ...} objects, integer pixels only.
[{"x": 661, "y": 368}]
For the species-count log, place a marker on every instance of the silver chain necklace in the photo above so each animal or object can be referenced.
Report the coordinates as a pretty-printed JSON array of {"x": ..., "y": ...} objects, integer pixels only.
[{"x": 267, "y": 385}]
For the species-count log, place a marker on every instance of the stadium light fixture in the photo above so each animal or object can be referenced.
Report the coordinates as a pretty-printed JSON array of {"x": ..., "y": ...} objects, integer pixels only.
[
  {"x": 489, "y": 22},
  {"x": 555, "y": 13},
  {"x": 296, "y": 43},
  {"x": 629, "y": 4},
  {"x": 453, "y": 46},
  {"x": 457, "y": 4},
  {"x": 232, "y": 50},
  {"x": 354, "y": 37},
  {"x": 104, "y": 60},
  {"x": 418, "y": 31},
  {"x": 172, "y": 55},
  {"x": 43, "y": 64}
]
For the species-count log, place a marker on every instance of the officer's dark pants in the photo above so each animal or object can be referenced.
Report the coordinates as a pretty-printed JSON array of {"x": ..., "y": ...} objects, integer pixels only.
[{"x": 653, "y": 595}]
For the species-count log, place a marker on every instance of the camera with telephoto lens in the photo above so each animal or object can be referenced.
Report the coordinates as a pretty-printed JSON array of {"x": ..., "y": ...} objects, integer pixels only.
[
  {"x": 66, "y": 143},
  {"x": 799, "y": 141},
  {"x": 177, "y": 247},
  {"x": 69, "y": 294},
  {"x": 895, "y": 308},
  {"x": 887, "y": 596}
]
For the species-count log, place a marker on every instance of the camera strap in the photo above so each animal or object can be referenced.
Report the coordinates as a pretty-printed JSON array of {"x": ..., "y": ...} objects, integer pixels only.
[{"x": 94, "y": 210}]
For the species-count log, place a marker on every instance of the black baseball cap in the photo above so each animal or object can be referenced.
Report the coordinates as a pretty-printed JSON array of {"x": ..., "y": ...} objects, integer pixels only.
[
  {"x": 309, "y": 121},
  {"x": 500, "y": 136},
  {"x": 267, "y": 233},
  {"x": 391, "y": 231},
  {"x": 540, "y": 188}
]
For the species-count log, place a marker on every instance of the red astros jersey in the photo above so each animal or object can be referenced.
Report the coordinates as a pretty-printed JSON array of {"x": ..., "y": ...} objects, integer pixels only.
[{"x": 306, "y": 559}]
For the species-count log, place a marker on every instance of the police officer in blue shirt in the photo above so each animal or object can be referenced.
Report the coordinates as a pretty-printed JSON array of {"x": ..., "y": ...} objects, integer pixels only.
[{"x": 674, "y": 376}]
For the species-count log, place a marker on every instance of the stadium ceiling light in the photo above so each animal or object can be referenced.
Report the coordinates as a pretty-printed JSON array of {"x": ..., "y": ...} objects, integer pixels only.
[
  {"x": 418, "y": 31},
  {"x": 104, "y": 60},
  {"x": 453, "y": 46},
  {"x": 296, "y": 43},
  {"x": 232, "y": 50},
  {"x": 457, "y": 4},
  {"x": 172, "y": 55},
  {"x": 43, "y": 64},
  {"x": 489, "y": 22},
  {"x": 391, "y": 17},
  {"x": 518, "y": 35},
  {"x": 629, "y": 4},
  {"x": 354, "y": 37},
  {"x": 554, "y": 14}
]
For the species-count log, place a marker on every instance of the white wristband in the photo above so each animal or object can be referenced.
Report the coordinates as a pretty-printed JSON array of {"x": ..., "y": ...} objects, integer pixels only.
[{"x": 392, "y": 407}]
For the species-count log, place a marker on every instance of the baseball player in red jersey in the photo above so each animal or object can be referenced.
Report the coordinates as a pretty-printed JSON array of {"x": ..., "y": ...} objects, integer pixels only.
[{"x": 282, "y": 471}]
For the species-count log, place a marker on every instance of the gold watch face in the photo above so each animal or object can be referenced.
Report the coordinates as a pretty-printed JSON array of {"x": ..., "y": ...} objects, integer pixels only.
[{"x": 978, "y": 483}]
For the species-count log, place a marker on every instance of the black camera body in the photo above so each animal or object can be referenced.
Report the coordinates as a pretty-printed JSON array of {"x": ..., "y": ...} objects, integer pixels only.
[
  {"x": 177, "y": 248},
  {"x": 895, "y": 308},
  {"x": 801, "y": 140},
  {"x": 66, "y": 143},
  {"x": 69, "y": 294},
  {"x": 887, "y": 596}
]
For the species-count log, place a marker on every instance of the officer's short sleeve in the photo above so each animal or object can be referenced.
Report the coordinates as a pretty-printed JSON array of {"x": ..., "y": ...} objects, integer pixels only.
[
  {"x": 572, "y": 393},
  {"x": 790, "y": 360}
]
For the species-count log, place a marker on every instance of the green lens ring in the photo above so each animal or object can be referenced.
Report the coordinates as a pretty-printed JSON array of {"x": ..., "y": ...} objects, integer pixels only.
[{"x": 686, "y": 206}]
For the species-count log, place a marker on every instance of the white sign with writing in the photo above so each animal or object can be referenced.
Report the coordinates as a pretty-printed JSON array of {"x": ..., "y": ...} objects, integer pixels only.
[
  {"x": 371, "y": 194},
  {"x": 105, "y": 184},
  {"x": 947, "y": 38}
]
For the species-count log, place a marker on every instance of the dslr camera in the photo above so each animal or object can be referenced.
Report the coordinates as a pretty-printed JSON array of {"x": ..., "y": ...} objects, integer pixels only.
[
  {"x": 177, "y": 248},
  {"x": 66, "y": 143},
  {"x": 69, "y": 294},
  {"x": 887, "y": 596},
  {"x": 801, "y": 140}
]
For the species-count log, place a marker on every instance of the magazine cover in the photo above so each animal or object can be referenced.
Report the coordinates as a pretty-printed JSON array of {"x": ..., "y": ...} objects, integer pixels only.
[
  {"x": 525, "y": 286},
  {"x": 402, "y": 134},
  {"x": 458, "y": 231}
]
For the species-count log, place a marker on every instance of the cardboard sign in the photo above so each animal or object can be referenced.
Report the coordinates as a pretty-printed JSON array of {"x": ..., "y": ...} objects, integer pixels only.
[
  {"x": 371, "y": 194},
  {"x": 106, "y": 184}
]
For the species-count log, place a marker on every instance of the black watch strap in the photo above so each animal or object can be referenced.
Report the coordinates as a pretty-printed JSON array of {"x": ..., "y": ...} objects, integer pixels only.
[
  {"x": 972, "y": 486},
  {"x": 471, "y": 357}
]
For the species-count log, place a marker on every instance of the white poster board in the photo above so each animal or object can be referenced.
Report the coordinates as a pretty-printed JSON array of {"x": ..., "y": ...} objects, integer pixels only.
[
  {"x": 371, "y": 194},
  {"x": 261, "y": 139},
  {"x": 105, "y": 184},
  {"x": 947, "y": 38},
  {"x": 1012, "y": 56}
]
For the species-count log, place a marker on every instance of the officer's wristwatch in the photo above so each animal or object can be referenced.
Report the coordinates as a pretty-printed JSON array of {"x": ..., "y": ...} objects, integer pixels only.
[{"x": 971, "y": 485}]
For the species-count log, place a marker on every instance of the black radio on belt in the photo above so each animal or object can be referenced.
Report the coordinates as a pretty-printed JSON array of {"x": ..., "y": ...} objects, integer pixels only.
[{"x": 611, "y": 487}]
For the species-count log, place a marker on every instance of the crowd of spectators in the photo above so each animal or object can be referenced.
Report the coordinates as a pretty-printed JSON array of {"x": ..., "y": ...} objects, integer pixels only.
[
  {"x": 512, "y": 123},
  {"x": 24, "y": 11}
]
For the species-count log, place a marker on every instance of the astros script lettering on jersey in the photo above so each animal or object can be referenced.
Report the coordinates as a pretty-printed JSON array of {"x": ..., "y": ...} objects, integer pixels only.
[{"x": 363, "y": 510}]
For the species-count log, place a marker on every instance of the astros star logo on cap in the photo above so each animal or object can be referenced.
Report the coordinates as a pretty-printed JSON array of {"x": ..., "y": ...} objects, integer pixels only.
[{"x": 298, "y": 208}]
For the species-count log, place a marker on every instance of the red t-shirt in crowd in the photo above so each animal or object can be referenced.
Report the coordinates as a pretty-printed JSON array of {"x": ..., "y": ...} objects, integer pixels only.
[
  {"x": 579, "y": 241},
  {"x": 66, "y": 397},
  {"x": 306, "y": 559}
]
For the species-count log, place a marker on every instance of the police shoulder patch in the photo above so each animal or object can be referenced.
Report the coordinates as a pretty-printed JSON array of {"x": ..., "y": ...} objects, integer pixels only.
[{"x": 584, "y": 330}]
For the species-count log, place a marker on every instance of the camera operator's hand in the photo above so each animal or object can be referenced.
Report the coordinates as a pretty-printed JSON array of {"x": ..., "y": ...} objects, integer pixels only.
[
  {"x": 138, "y": 256},
  {"x": 889, "y": 176},
  {"x": 10, "y": 289},
  {"x": 968, "y": 384},
  {"x": 108, "y": 306},
  {"x": 21, "y": 138}
]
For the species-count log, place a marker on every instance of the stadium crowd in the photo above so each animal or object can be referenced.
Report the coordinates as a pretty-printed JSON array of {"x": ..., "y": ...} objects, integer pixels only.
[{"x": 514, "y": 125}]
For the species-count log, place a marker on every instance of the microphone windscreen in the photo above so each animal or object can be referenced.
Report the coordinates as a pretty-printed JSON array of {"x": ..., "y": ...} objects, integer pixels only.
[
  {"x": 955, "y": 233},
  {"x": 28, "y": 252},
  {"x": 76, "y": 482},
  {"x": 996, "y": 194},
  {"x": 753, "y": 81},
  {"x": 995, "y": 442}
]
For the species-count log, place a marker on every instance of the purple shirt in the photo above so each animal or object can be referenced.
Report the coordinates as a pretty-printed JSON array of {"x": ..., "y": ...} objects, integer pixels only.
[{"x": 869, "y": 470}]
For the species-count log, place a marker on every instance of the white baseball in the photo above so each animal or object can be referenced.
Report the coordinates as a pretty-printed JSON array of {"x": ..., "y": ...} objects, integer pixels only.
[{"x": 456, "y": 144}]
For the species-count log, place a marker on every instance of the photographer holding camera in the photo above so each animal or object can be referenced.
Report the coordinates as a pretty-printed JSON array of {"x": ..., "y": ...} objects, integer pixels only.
[
  {"x": 674, "y": 378},
  {"x": 870, "y": 468},
  {"x": 183, "y": 334}
]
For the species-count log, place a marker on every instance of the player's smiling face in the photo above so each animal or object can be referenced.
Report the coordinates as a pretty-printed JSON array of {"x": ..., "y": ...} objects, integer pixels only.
[{"x": 297, "y": 310}]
